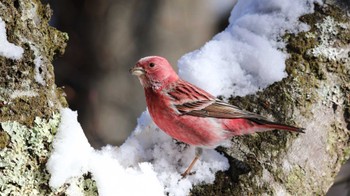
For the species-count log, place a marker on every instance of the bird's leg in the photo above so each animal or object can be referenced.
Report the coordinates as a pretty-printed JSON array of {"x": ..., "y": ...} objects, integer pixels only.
[{"x": 198, "y": 153}]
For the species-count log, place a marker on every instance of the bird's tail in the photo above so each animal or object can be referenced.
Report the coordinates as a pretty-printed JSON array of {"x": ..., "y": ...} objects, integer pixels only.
[{"x": 275, "y": 125}]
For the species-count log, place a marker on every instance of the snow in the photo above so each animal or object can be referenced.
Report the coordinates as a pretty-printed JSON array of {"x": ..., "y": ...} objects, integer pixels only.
[
  {"x": 23, "y": 93},
  {"x": 38, "y": 62},
  {"x": 148, "y": 163},
  {"x": 247, "y": 56},
  {"x": 72, "y": 150},
  {"x": 30, "y": 13},
  {"x": 8, "y": 49}
]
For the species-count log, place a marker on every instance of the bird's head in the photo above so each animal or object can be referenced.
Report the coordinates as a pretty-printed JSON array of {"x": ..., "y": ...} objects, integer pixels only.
[{"x": 154, "y": 71}]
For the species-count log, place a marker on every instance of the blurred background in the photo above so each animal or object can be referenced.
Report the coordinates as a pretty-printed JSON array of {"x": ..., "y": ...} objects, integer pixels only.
[{"x": 107, "y": 37}]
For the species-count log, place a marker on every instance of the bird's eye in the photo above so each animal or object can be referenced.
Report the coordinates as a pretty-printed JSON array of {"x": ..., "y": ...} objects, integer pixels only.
[{"x": 152, "y": 64}]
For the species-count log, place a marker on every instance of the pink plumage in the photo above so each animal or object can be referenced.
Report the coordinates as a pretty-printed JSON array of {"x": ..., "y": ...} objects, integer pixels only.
[{"x": 190, "y": 114}]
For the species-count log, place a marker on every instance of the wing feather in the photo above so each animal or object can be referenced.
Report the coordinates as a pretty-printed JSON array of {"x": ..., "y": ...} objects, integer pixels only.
[
  {"x": 191, "y": 100},
  {"x": 220, "y": 109},
  {"x": 187, "y": 97}
]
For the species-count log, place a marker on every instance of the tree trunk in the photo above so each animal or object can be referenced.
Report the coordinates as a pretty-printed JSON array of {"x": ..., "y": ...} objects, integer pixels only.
[
  {"x": 315, "y": 95},
  {"x": 29, "y": 98}
]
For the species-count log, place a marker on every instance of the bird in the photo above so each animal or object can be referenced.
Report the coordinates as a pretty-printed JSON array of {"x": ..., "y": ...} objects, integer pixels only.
[{"x": 190, "y": 114}]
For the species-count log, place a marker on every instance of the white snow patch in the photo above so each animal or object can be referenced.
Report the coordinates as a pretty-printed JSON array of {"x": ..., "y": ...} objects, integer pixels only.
[
  {"x": 247, "y": 55},
  {"x": 13, "y": 94},
  {"x": 39, "y": 78},
  {"x": 74, "y": 189},
  {"x": 23, "y": 93},
  {"x": 30, "y": 13},
  {"x": 148, "y": 163},
  {"x": 40, "y": 70},
  {"x": 72, "y": 151},
  {"x": 8, "y": 49}
]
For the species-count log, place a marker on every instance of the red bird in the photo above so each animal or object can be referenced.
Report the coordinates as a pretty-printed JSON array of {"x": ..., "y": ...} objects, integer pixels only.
[{"x": 190, "y": 114}]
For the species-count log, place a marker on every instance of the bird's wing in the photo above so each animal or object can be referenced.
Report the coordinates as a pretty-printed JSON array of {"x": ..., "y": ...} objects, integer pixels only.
[
  {"x": 191, "y": 100},
  {"x": 220, "y": 109},
  {"x": 187, "y": 97}
]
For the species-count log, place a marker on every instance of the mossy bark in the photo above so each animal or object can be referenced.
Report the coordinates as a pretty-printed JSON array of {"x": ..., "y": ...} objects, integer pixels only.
[
  {"x": 316, "y": 96},
  {"x": 29, "y": 98}
]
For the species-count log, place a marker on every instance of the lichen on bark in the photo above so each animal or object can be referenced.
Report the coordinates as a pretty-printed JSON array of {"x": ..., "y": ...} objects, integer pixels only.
[
  {"x": 22, "y": 161},
  {"x": 29, "y": 98},
  {"x": 315, "y": 95}
]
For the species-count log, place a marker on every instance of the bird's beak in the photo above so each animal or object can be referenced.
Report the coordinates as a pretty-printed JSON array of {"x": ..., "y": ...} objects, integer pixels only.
[{"x": 137, "y": 71}]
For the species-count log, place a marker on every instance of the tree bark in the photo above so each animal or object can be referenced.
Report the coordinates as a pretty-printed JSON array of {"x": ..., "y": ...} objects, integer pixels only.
[
  {"x": 29, "y": 98},
  {"x": 315, "y": 95}
]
